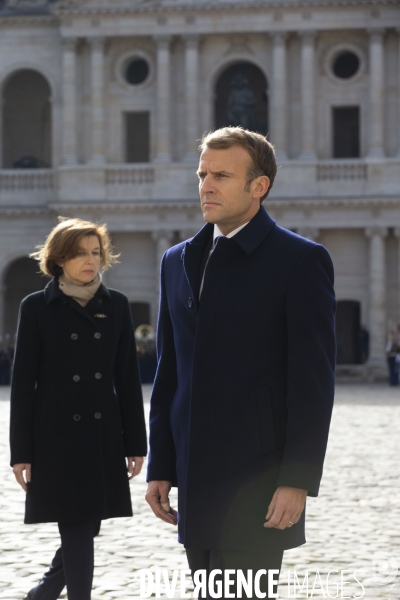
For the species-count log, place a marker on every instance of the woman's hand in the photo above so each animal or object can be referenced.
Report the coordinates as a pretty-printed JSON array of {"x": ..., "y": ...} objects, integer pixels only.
[
  {"x": 18, "y": 470},
  {"x": 134, "y": 467}
]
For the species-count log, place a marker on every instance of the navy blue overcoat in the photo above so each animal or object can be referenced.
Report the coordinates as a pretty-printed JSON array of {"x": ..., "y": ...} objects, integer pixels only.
[
  {"x": 244, "y": 389},
  {"x": 76, "y": 405}
]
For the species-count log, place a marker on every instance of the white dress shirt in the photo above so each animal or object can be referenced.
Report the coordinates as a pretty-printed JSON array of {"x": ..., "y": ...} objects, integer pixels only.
[{"x": 218, "y": 233}]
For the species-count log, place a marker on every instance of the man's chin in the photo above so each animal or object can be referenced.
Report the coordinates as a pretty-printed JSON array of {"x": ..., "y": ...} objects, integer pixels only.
[
  {"x": 209, "y": 216},
  {"x": 209, "y": 219}
]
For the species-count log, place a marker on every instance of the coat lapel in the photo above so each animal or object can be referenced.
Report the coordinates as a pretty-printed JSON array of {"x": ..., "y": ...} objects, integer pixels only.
[
  {"x": 52, "y": 292},
  {"x": 251, "y": 236},
  {"x": 83, "y": 310},
  {"x": 192, "y": 255}
]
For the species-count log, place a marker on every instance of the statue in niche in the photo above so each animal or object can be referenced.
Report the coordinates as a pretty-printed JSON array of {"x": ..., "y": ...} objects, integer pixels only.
[{"x": 241, "y": 103}]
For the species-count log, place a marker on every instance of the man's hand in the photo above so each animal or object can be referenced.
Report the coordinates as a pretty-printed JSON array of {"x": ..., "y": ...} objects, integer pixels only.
[
  {"x": 157, "y": 497},
  {"x": 134, "y": 466},
  {"x": 286, "y": 507},
  {"x": 18, "y": 470}
]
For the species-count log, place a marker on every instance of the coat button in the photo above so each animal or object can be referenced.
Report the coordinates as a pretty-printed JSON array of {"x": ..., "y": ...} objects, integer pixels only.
[
  {"x": 97, "y": 335},
  {"x": 76, "y": 378},
  {"x": 77, "y": 417},
  {"x": 74, "y": 336},
  {"x": 97, "y": 415},
  {"x": 97, "y": 375},
  {"x": 190, "y": 302}
]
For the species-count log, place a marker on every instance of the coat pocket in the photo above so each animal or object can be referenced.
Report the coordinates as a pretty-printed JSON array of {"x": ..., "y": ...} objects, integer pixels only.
[{"x": 265, "y": 420}]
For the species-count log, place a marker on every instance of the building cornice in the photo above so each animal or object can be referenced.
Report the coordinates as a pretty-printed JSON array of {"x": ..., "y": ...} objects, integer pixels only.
[
  {"x": 28, "y": 19},
  {"x": 77, "y": 7},
  {"x": 13, "y": 212},
  {"x": 191, "y": 206}
]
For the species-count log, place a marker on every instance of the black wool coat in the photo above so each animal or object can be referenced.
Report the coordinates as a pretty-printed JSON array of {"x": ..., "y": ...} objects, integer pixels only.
[
  {"x": 76, "y": 405},
  {"x": 244, "y": 389}
]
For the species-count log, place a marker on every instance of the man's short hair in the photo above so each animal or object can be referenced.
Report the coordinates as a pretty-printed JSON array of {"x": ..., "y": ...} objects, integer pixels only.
[{"x": 261, "y": 151}]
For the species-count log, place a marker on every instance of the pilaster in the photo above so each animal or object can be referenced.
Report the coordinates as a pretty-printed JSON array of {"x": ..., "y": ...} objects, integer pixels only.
[
  {"x": 377, "y": 296},
  {"x": 308, "y": 95},
  {"x": 163, "y": 149},
  {"x": 279, "y": 102},
  {"x": 376, "y": 93},
  {"x": 69, "y": 131}
]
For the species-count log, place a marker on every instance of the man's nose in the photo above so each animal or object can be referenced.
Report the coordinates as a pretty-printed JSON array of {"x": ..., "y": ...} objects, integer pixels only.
[{"x": 206, "y": 186}]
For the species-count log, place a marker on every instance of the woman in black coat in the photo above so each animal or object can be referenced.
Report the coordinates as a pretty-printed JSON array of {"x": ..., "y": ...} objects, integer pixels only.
[{"x": 77, "y": 422}]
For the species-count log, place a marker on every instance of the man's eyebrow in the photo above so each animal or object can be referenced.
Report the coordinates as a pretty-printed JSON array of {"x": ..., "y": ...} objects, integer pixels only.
[{"x": 222, "y": 172}]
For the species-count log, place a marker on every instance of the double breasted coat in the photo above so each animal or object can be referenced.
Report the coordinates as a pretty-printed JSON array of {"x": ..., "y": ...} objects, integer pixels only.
[
  {"x": 76, "y": 405},
  {"x": 244, "y": 389}
]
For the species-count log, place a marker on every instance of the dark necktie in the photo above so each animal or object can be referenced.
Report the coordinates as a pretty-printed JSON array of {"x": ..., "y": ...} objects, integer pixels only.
[{"x": 205, "y": 268}]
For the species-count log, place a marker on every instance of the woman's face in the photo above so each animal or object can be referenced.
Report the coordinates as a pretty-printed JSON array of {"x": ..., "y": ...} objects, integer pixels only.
[{"x": 86, "y": 264}]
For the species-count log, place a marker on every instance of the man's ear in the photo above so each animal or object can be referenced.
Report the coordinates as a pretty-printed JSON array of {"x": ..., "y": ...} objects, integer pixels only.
[{"x": 261, "y": 185}]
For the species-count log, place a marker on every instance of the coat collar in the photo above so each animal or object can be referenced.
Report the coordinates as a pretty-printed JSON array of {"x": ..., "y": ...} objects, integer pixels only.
[
  {"x": 255, "y": 232},
  {"x": 248, "y": 239},
  {"x": 52, "y": 291},
  {"x": 192, "y": 255}
]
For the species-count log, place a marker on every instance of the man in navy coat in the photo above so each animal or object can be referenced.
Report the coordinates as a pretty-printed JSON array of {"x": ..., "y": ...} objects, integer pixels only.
[{"x": 243, "y": 395}]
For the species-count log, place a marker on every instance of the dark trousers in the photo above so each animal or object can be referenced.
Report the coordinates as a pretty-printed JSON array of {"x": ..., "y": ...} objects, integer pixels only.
[
  {"x": 238, "y": 560},
  {"x": 72, "y": 565}
]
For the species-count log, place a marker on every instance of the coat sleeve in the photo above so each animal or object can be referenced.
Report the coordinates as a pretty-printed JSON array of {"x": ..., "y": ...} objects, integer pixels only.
[
  {"x": 23, "y": 385},
  {"x": 162, "y": 456},
  {"x": 310, "y": 306},
  {"x": 129, "y": 390}
]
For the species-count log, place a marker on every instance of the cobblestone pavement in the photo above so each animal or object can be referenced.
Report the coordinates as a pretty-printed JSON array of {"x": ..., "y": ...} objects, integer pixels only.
[{"x": 354, "y": 524}]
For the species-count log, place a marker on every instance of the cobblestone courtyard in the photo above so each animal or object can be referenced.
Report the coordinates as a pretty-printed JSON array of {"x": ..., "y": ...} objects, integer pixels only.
[{"x": 353, "y": 525}]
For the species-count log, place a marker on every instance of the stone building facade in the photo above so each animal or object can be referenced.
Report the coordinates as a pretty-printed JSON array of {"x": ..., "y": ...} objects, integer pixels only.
[{"x": 103, "y": 102}]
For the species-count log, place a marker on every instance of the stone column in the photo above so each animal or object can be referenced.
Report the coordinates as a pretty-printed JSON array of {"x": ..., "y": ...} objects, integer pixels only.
[
  {"x": 377, "y": 296},
  {"x": 376, "y": 93},
  {"x": 311, "y": 233},
  {"x": 69, "y": 132},
  {"x": 97, "y": 46},
  {"x": 397, "y": 234},
  {"x": 163, "y": 149},
  {"x": 308, "y": 95},
  {"x": 278, "y": 116},
  {"x": 398, "y": 93},
  {"x": 163, "y": 241},
  {"x": 191, "y": 96}
]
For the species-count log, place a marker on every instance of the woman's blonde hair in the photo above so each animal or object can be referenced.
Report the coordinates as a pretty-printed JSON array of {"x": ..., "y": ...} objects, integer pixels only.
[{"x": 62, "y": 244}]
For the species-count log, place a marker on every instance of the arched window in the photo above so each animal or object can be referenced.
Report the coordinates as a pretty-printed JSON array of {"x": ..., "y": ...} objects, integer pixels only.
[
  {"x": 26, "y": 121},
  {"x": 241, "y": 98},
  {"x": 21, "y": 279}
]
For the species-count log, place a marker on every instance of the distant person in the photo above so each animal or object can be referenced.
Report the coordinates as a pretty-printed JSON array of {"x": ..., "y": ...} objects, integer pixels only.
[
  {"x": 77, "y": 424},
  {"x": 393, "y": 357}
]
